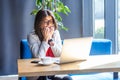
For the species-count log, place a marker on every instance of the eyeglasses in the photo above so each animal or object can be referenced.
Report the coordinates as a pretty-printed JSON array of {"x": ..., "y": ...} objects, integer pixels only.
[
  {"x": 51, "y": 27},
  {"x": 48, "y": 22}
]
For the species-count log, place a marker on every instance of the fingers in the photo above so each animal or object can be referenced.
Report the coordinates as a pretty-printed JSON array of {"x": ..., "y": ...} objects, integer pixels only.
[{"x": 48, "y": 32}]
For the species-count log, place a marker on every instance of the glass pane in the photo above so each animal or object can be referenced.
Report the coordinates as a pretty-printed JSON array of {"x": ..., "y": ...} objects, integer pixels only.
[
  {"x": 119, "y": 25},
  {"x": 98, "y": 18}
]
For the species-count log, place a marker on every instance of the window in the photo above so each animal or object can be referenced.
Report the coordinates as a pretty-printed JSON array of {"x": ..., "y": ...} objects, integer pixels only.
[
  {"x": 98, "y": 18},
  {"x": 101, "y": 17},
  {"x": 119, "y": 26}
]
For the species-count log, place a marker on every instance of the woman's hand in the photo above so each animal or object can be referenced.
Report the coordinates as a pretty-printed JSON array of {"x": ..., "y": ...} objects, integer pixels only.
[
  {"x": 47, "y": 33},
  {"x": 51, "y": 31}
]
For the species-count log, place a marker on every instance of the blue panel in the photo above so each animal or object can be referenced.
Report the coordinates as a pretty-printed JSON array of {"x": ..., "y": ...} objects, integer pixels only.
[
  {"x": 22, "y": 78},
  {"x": 101, "y": 47},
  {"x": 25, "y": 52}
]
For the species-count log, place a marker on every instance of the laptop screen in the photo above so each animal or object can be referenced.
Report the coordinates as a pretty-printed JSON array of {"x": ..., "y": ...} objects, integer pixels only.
[{"x": 75, "y": 49}]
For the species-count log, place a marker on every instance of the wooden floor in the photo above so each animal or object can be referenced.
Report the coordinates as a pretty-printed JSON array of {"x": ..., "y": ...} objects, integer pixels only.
[{"x": 9, "y": 77}]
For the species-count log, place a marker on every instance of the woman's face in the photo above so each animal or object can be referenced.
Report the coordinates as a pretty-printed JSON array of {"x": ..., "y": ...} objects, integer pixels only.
[{"x": 47, "y": 22}]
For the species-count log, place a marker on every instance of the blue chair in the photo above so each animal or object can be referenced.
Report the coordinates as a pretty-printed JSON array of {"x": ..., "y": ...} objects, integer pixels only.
[
  {"x": 25, "y": 52},
  {"x": 99, "y": 47}
]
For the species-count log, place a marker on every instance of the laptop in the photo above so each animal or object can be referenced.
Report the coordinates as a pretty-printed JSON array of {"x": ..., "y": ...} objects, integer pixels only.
[{"x": 75, "y": 49}]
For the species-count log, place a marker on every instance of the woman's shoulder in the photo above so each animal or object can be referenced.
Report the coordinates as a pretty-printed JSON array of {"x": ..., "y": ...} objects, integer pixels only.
[
  {"x": 56, "y": 32},
  {"x": 32, "y": 35}
]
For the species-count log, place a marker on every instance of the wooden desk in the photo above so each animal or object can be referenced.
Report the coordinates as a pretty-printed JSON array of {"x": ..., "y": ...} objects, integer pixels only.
[{"x": 105, "y": 63}]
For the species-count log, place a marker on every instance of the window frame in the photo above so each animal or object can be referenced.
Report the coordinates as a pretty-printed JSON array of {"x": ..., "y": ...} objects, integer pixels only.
[{"x": 110, "y": 17}]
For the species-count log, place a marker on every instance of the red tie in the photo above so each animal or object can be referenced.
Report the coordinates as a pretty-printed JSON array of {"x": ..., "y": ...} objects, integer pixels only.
[{"x": 49, "y": 52}]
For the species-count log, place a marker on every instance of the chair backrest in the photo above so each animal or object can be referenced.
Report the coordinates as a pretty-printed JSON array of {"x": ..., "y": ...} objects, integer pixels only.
[
  {"x": 25, "y": 52},
  {"x": 99, "y": 47}
]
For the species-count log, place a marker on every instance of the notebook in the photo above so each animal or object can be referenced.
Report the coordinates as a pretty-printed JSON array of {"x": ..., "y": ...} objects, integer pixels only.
[{"x": 75, "y": 49}]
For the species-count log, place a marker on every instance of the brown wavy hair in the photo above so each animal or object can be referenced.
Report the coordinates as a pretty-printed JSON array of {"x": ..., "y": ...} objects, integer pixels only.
[{"x": 41, "y": 14}]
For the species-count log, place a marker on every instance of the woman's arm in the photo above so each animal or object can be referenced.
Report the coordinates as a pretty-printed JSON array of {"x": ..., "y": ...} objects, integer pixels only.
[
  {"x": 37, "y": 47},
  {"x": 57, "y": 47}
]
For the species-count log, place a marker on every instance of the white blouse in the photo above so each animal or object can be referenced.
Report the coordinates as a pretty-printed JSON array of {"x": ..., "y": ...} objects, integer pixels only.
[{"x": 39, "y": 48}]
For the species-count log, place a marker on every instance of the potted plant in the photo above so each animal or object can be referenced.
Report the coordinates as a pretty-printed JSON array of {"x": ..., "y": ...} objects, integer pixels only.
[{"x": 56, "y": 6}]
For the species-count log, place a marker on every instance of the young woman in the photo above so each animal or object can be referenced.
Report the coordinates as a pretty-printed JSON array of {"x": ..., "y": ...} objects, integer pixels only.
[{"x": 45, "y": 39}]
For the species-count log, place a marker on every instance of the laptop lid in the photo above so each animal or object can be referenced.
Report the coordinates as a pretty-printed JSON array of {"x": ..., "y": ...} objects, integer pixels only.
[{"x": 75, "y": 49}]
